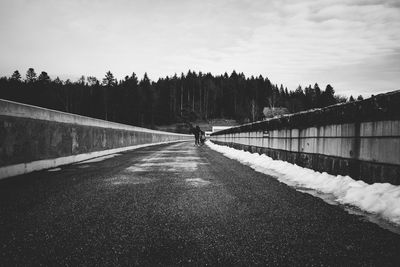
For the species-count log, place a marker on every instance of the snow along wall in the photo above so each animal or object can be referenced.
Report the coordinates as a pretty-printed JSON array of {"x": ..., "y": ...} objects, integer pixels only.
[
  {"x": 33, "y": 138},
  {"x": 360, "y": 139}
]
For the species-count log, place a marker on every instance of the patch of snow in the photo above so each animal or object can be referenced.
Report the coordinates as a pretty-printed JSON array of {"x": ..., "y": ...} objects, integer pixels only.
[
  {"x": 136, "y": 169},
  {"x": 197, "y": 182},
  {"x": 382, "y": 199},
  {"x": 173, "y": 151},
  {"x": 54, "y": 170},
  {"x": 161, "y": 158},
  {"x": 99, "y": 158},
  {"x": 129, "y": 180},
  {"x": 83, "y": 166},
  {"x": 173, "y": 166}
]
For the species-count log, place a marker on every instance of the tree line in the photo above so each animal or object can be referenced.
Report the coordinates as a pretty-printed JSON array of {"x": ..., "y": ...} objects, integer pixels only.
[{"x": 142, "y": 102}]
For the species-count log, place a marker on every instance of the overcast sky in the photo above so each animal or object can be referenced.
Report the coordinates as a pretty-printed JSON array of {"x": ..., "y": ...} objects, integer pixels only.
[{"x": 352, "y": 44}]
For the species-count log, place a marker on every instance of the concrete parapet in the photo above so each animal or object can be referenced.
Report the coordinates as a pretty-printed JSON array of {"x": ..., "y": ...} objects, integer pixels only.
[
  {"x": 360, "y": 139},
  {"x": 34, "y": 138}
]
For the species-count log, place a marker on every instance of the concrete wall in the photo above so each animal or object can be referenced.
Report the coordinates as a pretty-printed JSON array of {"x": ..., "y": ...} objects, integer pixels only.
[
  {"x": 360, "y": 139},
  {"x": 34, "y": 138}
]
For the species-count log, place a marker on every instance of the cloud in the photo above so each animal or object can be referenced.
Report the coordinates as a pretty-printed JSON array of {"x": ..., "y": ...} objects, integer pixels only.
[
  {"x": 292, "y": 42},
  {"x": 310, "y": 37}
]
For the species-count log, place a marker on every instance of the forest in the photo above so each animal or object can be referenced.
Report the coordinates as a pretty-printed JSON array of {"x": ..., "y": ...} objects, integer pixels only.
[{"x": 186, "y": 98}]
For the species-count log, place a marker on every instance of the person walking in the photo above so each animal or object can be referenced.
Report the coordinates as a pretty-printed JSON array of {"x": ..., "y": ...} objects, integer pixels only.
[
  {"x": 202, "y": 137},
  {"x": 197, "y": 135},
  {"x": 196, "y": 131}
]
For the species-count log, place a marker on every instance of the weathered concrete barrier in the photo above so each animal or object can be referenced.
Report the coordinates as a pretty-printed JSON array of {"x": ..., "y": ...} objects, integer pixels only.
[
  {"x": 360, "y": 139},
  {"x": 34, "y": 138}
]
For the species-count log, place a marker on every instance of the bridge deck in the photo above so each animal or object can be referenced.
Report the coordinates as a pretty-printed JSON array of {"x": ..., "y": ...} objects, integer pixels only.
[{"x": 177, "y": 205}]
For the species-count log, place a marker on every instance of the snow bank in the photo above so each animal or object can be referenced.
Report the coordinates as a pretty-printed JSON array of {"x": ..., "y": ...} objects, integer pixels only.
[{"x": 382, "y": 199}]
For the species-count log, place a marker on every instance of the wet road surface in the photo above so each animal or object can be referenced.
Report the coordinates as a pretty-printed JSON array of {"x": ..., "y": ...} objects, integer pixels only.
[{"x": 178, "y": 205}]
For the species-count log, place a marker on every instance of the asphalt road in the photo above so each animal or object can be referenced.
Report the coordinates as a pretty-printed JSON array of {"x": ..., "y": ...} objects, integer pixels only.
[{"x": 178, "y": 205}]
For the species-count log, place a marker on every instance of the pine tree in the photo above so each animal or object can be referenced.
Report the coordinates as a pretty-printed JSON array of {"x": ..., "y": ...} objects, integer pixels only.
[
  {"x": 329, "y": 96},
  {"x": 16, "y": 76},
  {"x": 109, "y": 80},
  {"x": 30, "y": 75},
  {"x": 43, "y": 77}
]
